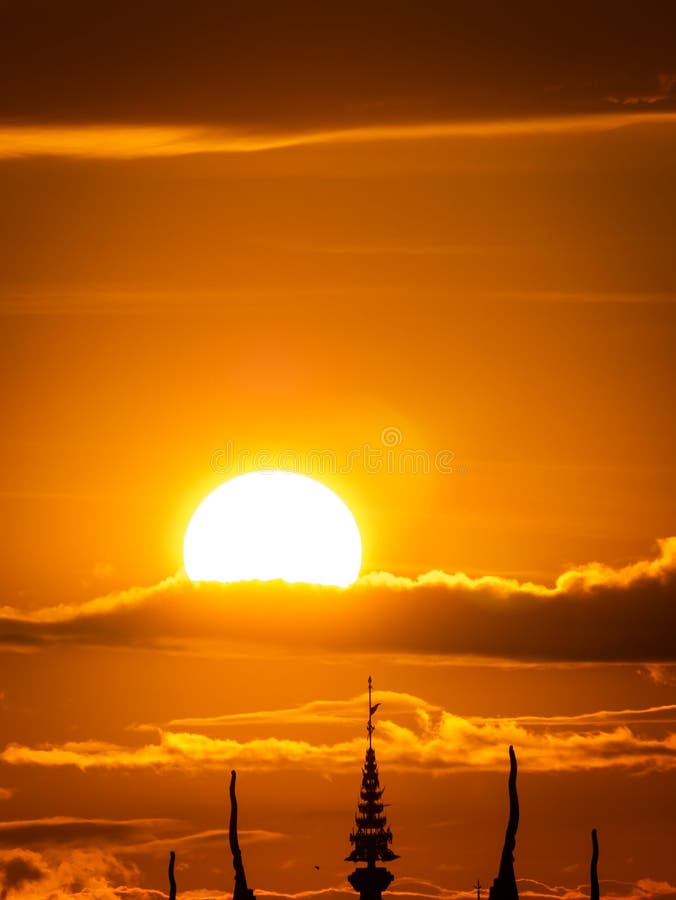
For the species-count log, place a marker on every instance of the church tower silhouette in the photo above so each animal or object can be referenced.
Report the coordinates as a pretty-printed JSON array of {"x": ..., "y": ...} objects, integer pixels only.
[{"x": 372, "y": 837}]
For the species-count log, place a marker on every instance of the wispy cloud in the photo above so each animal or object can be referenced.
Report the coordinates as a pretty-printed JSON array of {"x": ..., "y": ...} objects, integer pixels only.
[
  {"x": 317, "y": 711},
  {"x": 155, "y": 837},
  {"x": 219, "y": 836},
  {"x": 666, "y": 82},
  {"x": 58, "y": 830},
  {"x": 643, "y": 889},
  {"x": 415, "y": 736},
  {"x": 615, "y": 298},
  {"x": 137, "y": 141},
  {"x": 661, "y": 673},
  {"x": 351, "y": 711}
]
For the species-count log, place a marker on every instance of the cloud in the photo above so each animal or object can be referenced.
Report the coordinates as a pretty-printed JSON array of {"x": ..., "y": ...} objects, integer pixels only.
[
  {"x": 130, "y": 837},
  {"x": 60, "y": 830},
  {"x": 219, "y": 836},
  {"x": 643, "y": 889},
  {"x": 660, "y": 673},
  {"x": 90, "y": 874},
  {"x": 16, "y": 872},
  {"x": 351, "y": 711},
  {"x": 593, "y": 613},
  {"x": 317, "y": 711},
  {"x": 6, "y": 793},
  {"x": 415, "y": 736},
  {"x": 134, "y": 141},
  {"x": 96, "y": 875},
  {"x": 653, "y": 298},
  {"x": 666, "y": 83}
]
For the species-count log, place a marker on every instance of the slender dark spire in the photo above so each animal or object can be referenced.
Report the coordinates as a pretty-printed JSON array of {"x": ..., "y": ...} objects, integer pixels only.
[
  {"x": 595, "y": 893},
  {"x": 241, "y": 891},
  {"x": 372, "y": 837},
  {"x": 372, "y": 711},
  {"x": 504, "y": 886},
  {"x": 172, "y": 880}
]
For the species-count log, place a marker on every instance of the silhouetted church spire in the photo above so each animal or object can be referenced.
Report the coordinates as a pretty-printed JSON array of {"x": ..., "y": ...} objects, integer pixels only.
[
  {"x": 504, "y": 886},
  {"x": 241, "y": 891},
  {"x": 372, "y": 837}
]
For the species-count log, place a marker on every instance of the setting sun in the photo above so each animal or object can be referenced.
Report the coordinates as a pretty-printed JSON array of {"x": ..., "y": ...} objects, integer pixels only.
[{"x": 273, "y": 525}]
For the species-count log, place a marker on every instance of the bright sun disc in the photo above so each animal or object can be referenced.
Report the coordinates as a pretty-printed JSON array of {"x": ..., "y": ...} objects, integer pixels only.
[{"x": 268, "y": 525}]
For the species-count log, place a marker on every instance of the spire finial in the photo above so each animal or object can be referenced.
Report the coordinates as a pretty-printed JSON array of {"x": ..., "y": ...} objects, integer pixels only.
[{"x": 370, "y": 727}]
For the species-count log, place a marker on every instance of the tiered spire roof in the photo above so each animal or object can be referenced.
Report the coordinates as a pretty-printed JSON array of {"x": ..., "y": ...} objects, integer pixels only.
[{"x": 372, "y": 836}]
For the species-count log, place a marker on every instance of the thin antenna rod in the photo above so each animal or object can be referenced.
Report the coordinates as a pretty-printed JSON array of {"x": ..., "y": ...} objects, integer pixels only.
[{"x": 370, "y": 727}]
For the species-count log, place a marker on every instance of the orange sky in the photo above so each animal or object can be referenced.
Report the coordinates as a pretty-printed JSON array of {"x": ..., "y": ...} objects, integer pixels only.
[{"x": 425, "y": 255}]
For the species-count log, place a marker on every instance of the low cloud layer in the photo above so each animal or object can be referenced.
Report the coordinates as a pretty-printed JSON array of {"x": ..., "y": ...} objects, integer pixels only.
[
  {"x": 100, "y": 875},
  {"x": 643, "y": 889},
  {"x": 594, "y": 613},
  {"x": 29, "y": 875},
  {"x": 413, "y": 735}
]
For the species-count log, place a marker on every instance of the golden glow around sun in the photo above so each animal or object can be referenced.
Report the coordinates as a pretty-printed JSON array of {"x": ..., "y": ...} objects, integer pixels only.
[{"x": 267, "y": 525}]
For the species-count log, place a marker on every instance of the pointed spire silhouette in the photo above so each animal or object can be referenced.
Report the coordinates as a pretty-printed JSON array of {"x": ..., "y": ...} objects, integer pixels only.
[
  {"x": 241, "y": 890},
  {"x": 172, "y": 880},
  {"x": 372, "y": 837},
  {"x": 504, "y": 886},
  {"x": 594, "y": 875}
]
